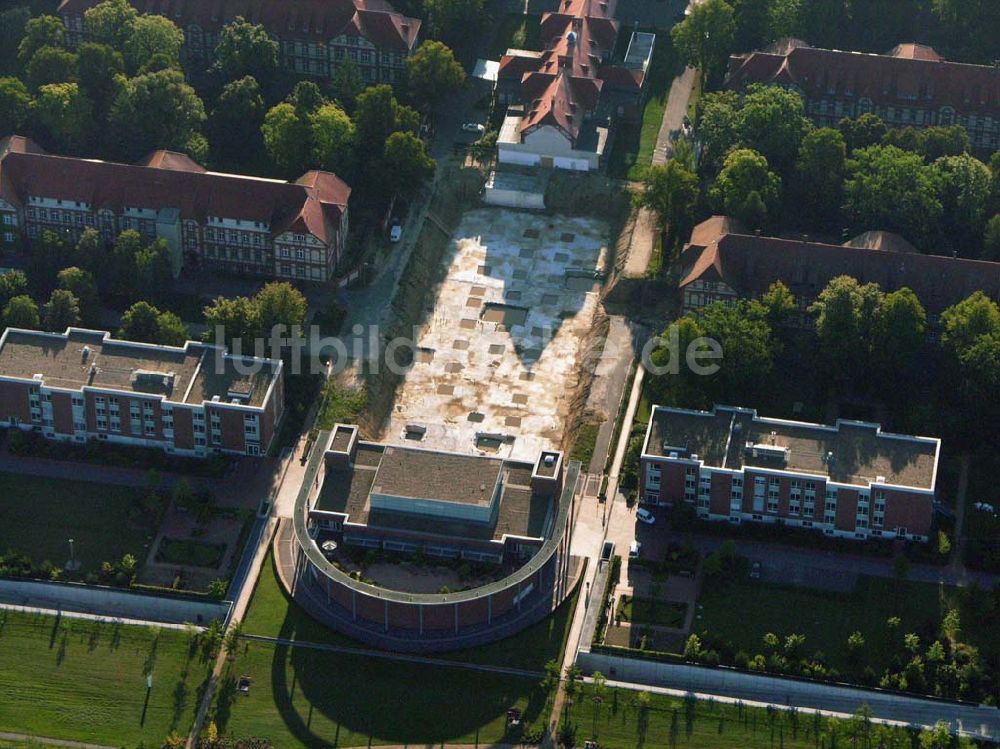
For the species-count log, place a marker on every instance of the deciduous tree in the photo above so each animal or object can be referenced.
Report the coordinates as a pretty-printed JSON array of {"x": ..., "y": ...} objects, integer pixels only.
[
  {"x": 154, "y": 43},
  {"x": 820, "y": 174},
  {"x": 433, "y": 72},
  {"x": 704, "y": 39},
  {"x": 671, "y": 191},
  {"x": 110, "y": 22},
  {"x": 62, "y": 310},
  {"x": 333, "y": 138},
  {"x": 246, "y": 49},
  {"x": 21, "y": 312},
  {"x": 40, "y": 31},
  {"x": 405, "y": 163},
  {"x": 50, "y": 65},
  {"x": 15, "y": 105},
  {"x": 66, "y": 114},
  {"x": 157, "y": 110},
  {"x": 747, "y": 189}
]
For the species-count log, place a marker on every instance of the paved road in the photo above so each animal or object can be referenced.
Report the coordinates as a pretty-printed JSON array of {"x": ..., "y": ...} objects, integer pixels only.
[
  {"x": 608, "y": 388},
  {"x": 673, "y": 114}
]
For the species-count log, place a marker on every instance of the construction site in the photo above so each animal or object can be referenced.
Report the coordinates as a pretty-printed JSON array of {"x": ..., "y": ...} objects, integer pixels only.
[{"x": 501, "y": 344}]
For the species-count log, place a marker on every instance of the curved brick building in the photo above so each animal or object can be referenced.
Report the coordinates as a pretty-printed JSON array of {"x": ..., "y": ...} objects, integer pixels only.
[{"x": 440, "y": 505}]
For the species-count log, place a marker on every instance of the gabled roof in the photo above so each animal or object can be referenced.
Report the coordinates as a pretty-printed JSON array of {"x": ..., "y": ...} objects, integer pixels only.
[
  {"x": 910, "y": 76},
  {"x": 164, "y": 179},
  {"x": 749, "y": 264},
  {"x": 319, "y": 20},
  {"x": 179, "y": 162}
]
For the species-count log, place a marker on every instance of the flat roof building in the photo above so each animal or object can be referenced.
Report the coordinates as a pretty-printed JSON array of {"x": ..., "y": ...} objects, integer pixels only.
[
  {"x": 850, "y": 479},
  {"x": 83, "y": 384},
  {"x": 515, "y": 516}
]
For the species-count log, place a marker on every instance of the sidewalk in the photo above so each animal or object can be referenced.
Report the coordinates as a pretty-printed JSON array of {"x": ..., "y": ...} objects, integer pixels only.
[{"x": 673, "y": 114}]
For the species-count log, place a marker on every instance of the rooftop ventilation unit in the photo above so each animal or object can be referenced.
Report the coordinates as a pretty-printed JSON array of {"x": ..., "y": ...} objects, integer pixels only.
[
  {"x": 550, "y": 460},
  {"x": 771, "y": 452},
  {"x": 86, "y": 353},
  {"x": 153, "y": 378}
]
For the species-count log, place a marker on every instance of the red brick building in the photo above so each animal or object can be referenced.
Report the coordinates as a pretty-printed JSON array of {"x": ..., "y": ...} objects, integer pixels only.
[
  {"x": 314, "y": 36},
  {"x": 910, "y": 86},
  {"x": 850, "y": 480},
  {"x": 247, "y": 225},
  {"x": 722, "y": 262},
  {"x": 190, "y": 400}
]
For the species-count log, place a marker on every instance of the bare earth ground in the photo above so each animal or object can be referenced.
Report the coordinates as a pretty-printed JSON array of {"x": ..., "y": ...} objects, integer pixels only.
[{"x": 499, "y": 352}]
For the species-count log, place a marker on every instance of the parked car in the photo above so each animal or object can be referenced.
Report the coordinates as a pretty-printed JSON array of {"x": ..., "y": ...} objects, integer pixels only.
[
  {"x": 474, "y": 127},
  {"x": 395, "y": 231},
  {"x": 755, "y": 571},
  {"x": 607, "y": 551},
  {"x": 645, "y": 516},
  {"x": 634, "y": 550}
]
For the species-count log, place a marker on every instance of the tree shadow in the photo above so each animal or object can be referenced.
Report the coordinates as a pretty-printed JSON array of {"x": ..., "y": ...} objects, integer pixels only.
[{"x": 61, "y": 653}]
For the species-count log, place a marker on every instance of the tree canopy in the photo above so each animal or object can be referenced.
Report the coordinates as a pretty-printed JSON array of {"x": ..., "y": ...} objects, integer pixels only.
[
  {"x": 246, "y": 49},
  {"x": 747, "y": 189},
  {"x": 704, "y": 39},
  {"x": 433, "y": 72}
]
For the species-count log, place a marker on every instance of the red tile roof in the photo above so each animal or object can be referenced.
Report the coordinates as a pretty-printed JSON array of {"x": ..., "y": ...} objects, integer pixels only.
[
  {"x": 313, "y": 204},
  {"x": 910, "y": 77},
  {"x": 319, "y": 20},
  {"x": 750, "y": 264}
]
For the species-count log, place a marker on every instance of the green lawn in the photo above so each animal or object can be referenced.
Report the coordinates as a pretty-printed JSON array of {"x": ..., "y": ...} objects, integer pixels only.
[
  {"x": 84, "y": 680},
  {"x": 634, "y": 142},
  {"x": 39, "y": 515},
  {"x": 303, "y": 697},
  {"x": 619, "y": 723},
  {"x": 745, "y": 610},
  {"x": 650, "y": 611},
  {"x": 583, "y": 447}
]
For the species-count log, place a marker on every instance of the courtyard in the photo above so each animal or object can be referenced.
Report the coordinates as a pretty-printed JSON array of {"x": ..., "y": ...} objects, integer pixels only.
[{"x": 497, "y": 365}]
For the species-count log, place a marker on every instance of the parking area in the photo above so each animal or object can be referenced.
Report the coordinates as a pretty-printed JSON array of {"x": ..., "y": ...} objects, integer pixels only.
[{"x": 497, "y": 364}]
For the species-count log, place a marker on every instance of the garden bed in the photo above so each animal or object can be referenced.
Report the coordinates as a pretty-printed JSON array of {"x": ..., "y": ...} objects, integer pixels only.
[{"x": 190, "y": 552}]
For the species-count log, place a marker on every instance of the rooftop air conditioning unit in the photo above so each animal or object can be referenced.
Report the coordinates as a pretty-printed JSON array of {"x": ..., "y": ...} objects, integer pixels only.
[{"x": 550, "y": 460}]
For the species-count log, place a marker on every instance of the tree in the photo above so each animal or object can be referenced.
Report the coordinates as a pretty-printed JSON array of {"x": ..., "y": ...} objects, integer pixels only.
[
  {"x": 971, "y": 342},
  {"x": 153, "y": 38},
  {"x": 12, "y": 283},
  {"x": 433, "y": 72},
  {"x": 855, "y": 642},
  {"x": 49, "y": 255},
  {"x": 62, "y": 311},
  {"x": 785, "y": 18},
  {"x": 892, "y": 189},
  {"x": 716, "y": 127},
  {"x": 66, "y": 114},
  {"x": 771, "y": 122},
  {"x": 50, "y": 65},
  {"x": 991, "y": 239},
  {"x": 40, "y": 31},
  {"x": 333, "y": 136},
  {"x": 21, "y": 312},
  {"x": 899, "y": 334},
  {"x": 454, "y": 20},
  {"x": 152, "y": 269},
  {"x": 121, "y": 263},
  {"x": 171, "y": 330},
  {"x": 939, "y": 141},
  {"x": 867, "y": 130},
  {"x": 347, "y": 83},
  {"x": 157, "y": 110},
  {"x": 91, "y": 255},
  {"x": 845, "y": 318},
  {"x": 280, "y": 303},
  {"x": 98, "y": 67},
  {"x": 750, "y": 349},
  {"x": 405, "y": 163},
  {"x": 15, "y": 105},
  {"x": 234, "y": 318},
  {"x": 779, "y": 304},
  {"x": 82, "y": 285},
  {"x": 144, "y": 322},
  {"x": 110, "y": 22},
  {"x": 964, "y": 190},
  {"x": 704, "y": 39},
  {"x": 746, "y": 188},
  {"x": 820, "y": 173},
  {"x": 752, "y": 22},
  {"x": 377, "y": 115},
  {"x": 246, "y": 49},
  {"x": 286, "y": 138},
  {"x": 236, "y": 120},
  {"x": 671, "y": 191}
]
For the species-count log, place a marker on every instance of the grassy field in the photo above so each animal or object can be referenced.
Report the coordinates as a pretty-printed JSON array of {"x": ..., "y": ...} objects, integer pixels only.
[
  {"x": 84, "y": 680},
  {"x": 651, "y": 611},
  {"x": 583, "y": 447},
  {"x": 303, "y": 697},
  {"x": 39, "y": 515},
  {"x": 745, "y": 610},
  {"x": 619, "y": 723},
  {"x": 634, "y": 143}
]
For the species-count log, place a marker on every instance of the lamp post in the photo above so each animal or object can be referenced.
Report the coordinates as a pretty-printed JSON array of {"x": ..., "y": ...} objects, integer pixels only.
[{"x": 72, "y": 565}]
